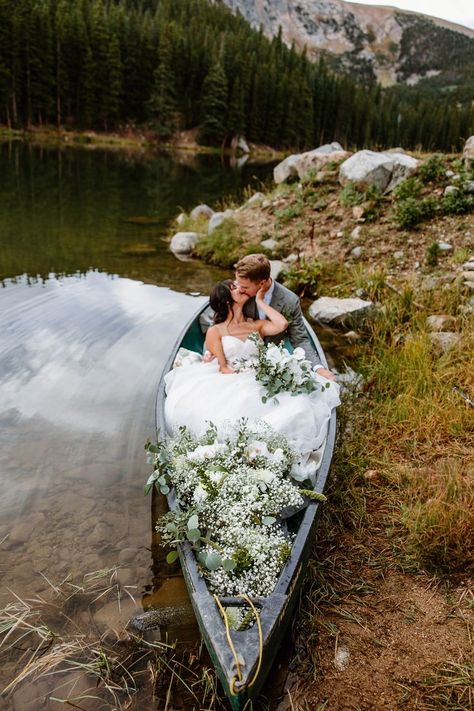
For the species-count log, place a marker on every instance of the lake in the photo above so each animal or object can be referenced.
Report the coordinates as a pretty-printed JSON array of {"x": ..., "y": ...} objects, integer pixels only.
[{"x": 90, "y": 305}]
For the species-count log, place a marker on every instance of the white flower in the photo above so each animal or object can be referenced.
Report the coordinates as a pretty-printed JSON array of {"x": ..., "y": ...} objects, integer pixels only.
[
  {"x": 299, "y": 354},
  {"x": 200, "y": 494},
  {"x": 256, "y": 449},
  {"x": 278, "y": 456},
  {"x": 215, "y": 476},
  {"x": 264, "y": 475},
  {"x": 274, "y": 354},
  {"x": 205, "y": 451}
]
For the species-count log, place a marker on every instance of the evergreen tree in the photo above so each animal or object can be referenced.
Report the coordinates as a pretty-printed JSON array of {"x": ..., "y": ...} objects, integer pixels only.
[
  {"x": 162, "y": 103},
  {"x": 214, "y": 107}
]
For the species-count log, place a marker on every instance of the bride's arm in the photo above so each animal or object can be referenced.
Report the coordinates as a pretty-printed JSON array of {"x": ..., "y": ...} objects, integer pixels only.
[
  {"x": 214, "y": 345},
  {"x": 275, "y": 321}
]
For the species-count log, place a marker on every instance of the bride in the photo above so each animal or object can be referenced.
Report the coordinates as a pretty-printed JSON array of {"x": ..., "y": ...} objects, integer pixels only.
[{"x": 213, "y": 392}]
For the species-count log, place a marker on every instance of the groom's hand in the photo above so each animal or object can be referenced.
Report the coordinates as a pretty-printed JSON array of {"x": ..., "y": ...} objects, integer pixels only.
[{"x": 325, "y": 373}]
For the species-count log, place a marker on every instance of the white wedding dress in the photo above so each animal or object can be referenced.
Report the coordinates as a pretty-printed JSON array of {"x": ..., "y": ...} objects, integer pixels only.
[{"x": 198, "y": 394}]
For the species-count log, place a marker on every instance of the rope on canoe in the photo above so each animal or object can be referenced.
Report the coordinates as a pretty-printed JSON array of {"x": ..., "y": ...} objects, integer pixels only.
[
  {"x": 238, "y": 678},
  {"x": 260, "y": 638}
]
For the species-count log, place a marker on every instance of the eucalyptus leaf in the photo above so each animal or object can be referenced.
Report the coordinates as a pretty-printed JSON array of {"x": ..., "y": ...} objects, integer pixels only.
[
  {"x": 194, "y": 534},
  {"x": 213, "y": 560},
  {"x": 171, "y": 557},
  {"x": 165, "y": 489},
  {"x": 147, "y": 488},
  {"x": 153, "y": 448},
  {"x": 151, "y": 479},
  {"x": 171, "y": 527},
  {"x": 228, "y": 564},
  {"x": 193, "y": 522},
  {"x": 268, "y": 520}
]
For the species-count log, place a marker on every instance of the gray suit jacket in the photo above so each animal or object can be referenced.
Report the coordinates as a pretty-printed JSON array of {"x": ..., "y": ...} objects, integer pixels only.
[{"x": 288, "y": 304}]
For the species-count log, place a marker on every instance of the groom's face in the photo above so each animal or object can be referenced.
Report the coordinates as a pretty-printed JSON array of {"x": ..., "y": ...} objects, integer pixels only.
[{"x": 246, "y": 286}]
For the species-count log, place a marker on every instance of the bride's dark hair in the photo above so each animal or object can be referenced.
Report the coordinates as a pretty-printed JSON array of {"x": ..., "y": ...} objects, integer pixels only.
[{"x": 221, "y": 300}]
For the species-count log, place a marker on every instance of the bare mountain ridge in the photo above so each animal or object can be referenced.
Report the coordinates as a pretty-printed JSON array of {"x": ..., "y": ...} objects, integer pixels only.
[{"x": 373, "y": 41}]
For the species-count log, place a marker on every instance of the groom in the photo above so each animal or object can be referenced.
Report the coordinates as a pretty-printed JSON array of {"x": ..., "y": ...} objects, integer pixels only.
[{"x": 253, "y": 273}]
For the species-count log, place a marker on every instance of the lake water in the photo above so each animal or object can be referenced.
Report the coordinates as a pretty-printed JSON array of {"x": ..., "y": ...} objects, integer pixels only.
[{"x": 90, "y": 306}]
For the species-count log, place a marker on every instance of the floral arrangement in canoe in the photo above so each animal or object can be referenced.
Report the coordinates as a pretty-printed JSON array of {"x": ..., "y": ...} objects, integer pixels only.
[
  {"x": 233, "y": 491},
  {"x": 278, "y": 370}
]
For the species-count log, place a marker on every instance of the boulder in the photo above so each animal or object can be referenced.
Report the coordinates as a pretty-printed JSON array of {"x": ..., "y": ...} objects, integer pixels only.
[
  {"x": 201, "y": 210},
  {"x": 276, "y": 268},
  {"x": 469, "y": 186},
  {"x": 315, "y": 160},
  {"x": 445, "y": 340},
  {"x": 184, "y": 242},
  {"x": 451, "y": 190},
  {"x": 440, "y": 322},
  {"x": 468, "y": 153},
  {"x": 384, "y": 170},
  {"x": 286, "y": 169},
  {"x": 217, "y": 219},
  {"x": 331, "y": 310},
  {"x": 299, "y": 164},
  {"x": 445, "y": 247},
  {"x": 269, "y": 243},
  {"x": 469, "y": 265}
]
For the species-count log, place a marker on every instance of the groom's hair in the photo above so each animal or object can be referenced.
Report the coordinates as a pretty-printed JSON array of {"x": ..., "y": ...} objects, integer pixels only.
[{"x": 255, "y": 267}]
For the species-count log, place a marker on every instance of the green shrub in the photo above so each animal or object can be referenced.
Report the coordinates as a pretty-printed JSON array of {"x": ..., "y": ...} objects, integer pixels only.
[
  {"x": 224, "y": 246},
  {"x": 302, "y": 277},
  {"x": 457, "y": 203},
  {"x": 288, "y": 213},
  {"x": 410, "y": 212},
  {"x": 432, "y": 254},
  {"x": 433, "y": 169},
  {"x": 350, "y": 196},
  {"x": 409, "y": 188}
]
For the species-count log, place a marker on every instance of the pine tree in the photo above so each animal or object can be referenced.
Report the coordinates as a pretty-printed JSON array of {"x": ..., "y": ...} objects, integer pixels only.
[
  {"x": 162, "y": 103},
  {"x": 214, "y": 107}
]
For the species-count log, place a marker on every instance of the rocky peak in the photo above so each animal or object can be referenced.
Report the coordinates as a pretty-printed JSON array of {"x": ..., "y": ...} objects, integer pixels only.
[{"x": 375, "y": 41}]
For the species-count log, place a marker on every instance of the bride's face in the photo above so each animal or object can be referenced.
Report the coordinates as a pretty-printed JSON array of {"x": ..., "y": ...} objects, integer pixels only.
[{"x": 237, "y": 295}]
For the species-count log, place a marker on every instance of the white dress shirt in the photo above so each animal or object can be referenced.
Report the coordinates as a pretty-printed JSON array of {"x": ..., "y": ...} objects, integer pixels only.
[{"x": 267, "y": 299}]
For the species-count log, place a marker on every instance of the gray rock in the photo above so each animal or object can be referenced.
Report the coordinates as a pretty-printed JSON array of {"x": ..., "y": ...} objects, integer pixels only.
[
  {"x": 449, "y": 173},
  {"x": 384, "y": 170},
  {"x": 317, "y": 159},
  {"x": 286, "y": 169},
  {"x": 256, "y": 199},
  {"x": 445, "y": 247},
  {"x": 451, "y": 190},
  {"x": 444, "y": 341},
  {"x": 440, "y": 322},
  {"x": 355, "y": 234},
  {"x": 469, "y": 265},
  {"x": 184, "y": 242},
  {"x": 269, "y": 243},
  {"x": 468, "y": 276},
  {"x": 276, "y": 268},
  {"x": 242, "y": 145},
  {"x": 127, "y": 555},
  {"x": 217, "y": 219},
  {"x": 468, "y": 153},
  {"x": 266, "y": 203},
  {"x": 331, "y": 310},
  {"x": 201, "y": 210},
  {"x": 291, "y": 258},
  {"x": 357, "y": 252},
  {"x": 25, "y": 528},
  {"x": 101, "y": 534},
  {"x": 399, "y": 256},
  {"x": 469, "y": 186}
]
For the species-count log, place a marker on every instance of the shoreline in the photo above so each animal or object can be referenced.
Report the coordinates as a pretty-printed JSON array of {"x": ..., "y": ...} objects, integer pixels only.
[{"x": 128, "y": 140}]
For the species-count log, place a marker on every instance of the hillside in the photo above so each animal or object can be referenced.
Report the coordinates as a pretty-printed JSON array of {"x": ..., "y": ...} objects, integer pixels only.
[{"x": 375, "y": 42}]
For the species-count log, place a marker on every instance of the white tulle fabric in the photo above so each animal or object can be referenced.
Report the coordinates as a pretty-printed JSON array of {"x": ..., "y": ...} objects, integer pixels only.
[{"x": 198, "y": 394}]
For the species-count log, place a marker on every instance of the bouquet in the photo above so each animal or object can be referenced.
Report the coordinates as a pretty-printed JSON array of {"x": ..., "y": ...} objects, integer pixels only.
[
  {"x": 232, "y": 490},
  {"x": 278, "y": 370}
]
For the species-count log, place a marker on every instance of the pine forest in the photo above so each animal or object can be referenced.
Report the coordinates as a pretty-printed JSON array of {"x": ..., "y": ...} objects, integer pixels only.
[{"x": 173, "y": 65}]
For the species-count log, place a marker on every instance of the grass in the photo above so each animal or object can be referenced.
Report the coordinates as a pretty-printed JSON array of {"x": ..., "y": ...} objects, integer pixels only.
[
  {"x": 450, "y": 687},
  {"x": 224, "y": 246}
]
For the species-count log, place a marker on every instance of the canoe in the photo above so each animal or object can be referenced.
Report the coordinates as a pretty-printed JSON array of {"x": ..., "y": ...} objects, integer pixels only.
[{"x": 243, "y": 658}]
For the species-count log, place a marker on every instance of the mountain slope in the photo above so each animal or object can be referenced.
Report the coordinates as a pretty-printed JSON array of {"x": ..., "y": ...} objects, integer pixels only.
[{"x": 376, "y": 42}]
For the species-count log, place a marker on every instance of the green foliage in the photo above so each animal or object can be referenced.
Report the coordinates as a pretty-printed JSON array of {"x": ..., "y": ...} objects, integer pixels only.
[
  {"x": 288, "y": 213},
  {"x": 302, "y": 277},
  {"x": 409, "y": 188},
  {"x": 350, "y": 196},
  {"x": 224, "y": 246},
  {"x": 214, "y": 102},
  {"x": 410, "y": 212},
  {"x": 432, "y": 254},
  {"x": 457, "y": 203},
  {"x": 433, "y": 169}
]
